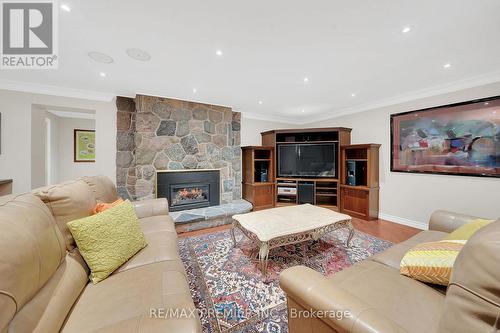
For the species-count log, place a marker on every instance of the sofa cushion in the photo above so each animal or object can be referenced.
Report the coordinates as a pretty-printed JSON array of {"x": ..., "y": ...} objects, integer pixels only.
[
  {"x": 102, "y": 206},
  {"x": 31, "y": 250},
  {"x": 68, "y": 201},
  {"x": 103, "y": 188},
  {"x": 467, "y": 230},
  {"x": 393, "y": 255},
  {"x": 432, "y": 262},
  {"x": 157, "y": 223},
  {"x": 108, "y": 239},
  {"x": 396, "y": 296},
  {"x": 126, "y": 302},
  {"x": 162, "y": 246}
]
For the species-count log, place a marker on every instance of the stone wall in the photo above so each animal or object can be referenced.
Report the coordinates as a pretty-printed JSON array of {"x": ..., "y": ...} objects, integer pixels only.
[{"x": 155, "y": 133}]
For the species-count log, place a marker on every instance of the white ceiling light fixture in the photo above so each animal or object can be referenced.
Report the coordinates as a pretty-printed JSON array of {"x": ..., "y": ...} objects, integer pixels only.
[
  {"x": 66, "y": 8},
  {"x": 353, "y": 95},
  {"x": 218, "y": 52},
  {"x": 100, "y": 57},
  {"x": 138, "y": 54},
  {"x": 447, "y": 65},
  {"x": 260, "y": 102},
  {"x": 102, "y": 74},
  {"x": 406, "y": 29},
  {"x": 306, "y": 80},
  {"x": 303, "y": 111},
  {"x": 195, "y": 90}
]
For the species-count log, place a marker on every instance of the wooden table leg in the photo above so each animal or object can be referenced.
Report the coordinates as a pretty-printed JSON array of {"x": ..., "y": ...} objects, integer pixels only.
[
  {"x": 351, "y": 233},
  {"x": 232, "y": 234},
  {"x": 263, "y": 255}
]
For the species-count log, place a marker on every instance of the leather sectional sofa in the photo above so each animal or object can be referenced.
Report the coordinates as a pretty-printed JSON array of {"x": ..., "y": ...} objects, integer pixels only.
[
  {"x": 379, "y": 299},
  {"x": 44, "y": 285}
]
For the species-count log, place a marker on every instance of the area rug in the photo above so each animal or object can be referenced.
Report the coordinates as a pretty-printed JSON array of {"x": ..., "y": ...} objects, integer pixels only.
[{"x": 229, "y": 290}]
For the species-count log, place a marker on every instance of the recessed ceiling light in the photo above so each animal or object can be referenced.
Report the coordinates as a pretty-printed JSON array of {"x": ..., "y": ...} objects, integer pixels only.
[
  {"x": 447, "y": 65},
  {"x": 102, "y": 74},
  {"x": 218, "y": 52},
  {"x": 406, "y": 29},
  {"x": 306, "y": 79},
  {"x": 100, "y": 57},
  {"x": 195, "y": 90},
  {"x": 66, "y": 8},
  {"x": 303, "y": 110},
  {"x": 138, "y": 54},
  {"x": 260, "y": 102},
  {"x": 353, "y": 95}
]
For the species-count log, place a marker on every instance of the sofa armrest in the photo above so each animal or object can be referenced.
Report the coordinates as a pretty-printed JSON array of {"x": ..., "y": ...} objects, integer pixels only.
[
  {"x": 151, "y": 207},
  {"x": 442, "y": 220},
  {"x": 313, "y": 298}
]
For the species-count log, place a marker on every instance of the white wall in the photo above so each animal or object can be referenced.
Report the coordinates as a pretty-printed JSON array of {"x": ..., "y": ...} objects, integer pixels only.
[
  {"x": 412, "y": 198},
  {"x": 38, "y": 146},
  {"x": 68, "y": 169},
  {"x": 251, "y": 129},
  {"x": 15, "y": 159}
]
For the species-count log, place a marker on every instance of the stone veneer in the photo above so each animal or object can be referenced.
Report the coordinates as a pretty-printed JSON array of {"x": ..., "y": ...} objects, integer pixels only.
[{"x": 155, "y": 133}]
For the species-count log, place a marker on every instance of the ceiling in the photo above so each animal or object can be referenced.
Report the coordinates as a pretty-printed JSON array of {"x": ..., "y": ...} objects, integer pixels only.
[{"x": 270, "y": 47}]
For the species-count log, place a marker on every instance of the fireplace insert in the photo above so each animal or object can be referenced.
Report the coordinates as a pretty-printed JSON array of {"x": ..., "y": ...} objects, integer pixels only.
[{"x": 189, "y": 189}]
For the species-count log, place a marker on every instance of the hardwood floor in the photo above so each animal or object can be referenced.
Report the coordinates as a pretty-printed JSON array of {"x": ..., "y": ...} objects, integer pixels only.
[{"x": 390, "y": 231}]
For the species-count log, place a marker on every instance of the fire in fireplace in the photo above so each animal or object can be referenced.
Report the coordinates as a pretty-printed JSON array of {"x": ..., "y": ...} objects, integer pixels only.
[
  {"x": 189, "y": 189},
  {"x": 188, "y": 194}
]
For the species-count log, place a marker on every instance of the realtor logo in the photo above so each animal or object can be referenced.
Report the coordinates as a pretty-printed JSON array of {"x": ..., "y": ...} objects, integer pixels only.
[{"x": 29, "y": 39}]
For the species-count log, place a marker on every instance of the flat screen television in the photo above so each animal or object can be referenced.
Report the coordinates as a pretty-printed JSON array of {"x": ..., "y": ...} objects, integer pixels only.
[{"x": 306, "y": 160}]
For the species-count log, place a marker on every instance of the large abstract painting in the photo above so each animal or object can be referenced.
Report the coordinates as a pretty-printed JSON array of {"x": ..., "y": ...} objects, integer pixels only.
[{"x": 457, "y": 139}]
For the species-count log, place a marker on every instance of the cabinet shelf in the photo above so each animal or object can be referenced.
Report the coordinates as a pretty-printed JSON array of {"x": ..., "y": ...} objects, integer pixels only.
[
  {"x": 258, "y": 176},
  {"x": 359, "y": 180}
]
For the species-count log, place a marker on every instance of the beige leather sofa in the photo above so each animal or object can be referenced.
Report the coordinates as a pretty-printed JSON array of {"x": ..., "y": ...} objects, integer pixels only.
[
  {"x": 379, "y": 299},
  {"x": 44, "y": 285}
]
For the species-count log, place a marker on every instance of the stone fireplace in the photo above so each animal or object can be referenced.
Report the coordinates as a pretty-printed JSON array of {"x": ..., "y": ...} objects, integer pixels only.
[
  {"x": 189, "y": 189},
  {"x": 156, "y": 134}
]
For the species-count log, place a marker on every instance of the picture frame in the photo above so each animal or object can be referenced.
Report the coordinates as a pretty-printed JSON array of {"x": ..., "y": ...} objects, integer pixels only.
[
  {"x": 460, "y": 139},
  {"x": 84, "y": 145}
]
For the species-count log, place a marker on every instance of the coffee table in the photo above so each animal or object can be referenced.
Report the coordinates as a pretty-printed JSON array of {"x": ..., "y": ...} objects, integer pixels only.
[{"x": 281, "y": 226}]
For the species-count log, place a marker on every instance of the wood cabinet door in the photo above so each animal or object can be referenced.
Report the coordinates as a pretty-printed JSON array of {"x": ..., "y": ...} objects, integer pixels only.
[
  {"x": 263, "y": 195},
  {"x": 355, "y": 202}
]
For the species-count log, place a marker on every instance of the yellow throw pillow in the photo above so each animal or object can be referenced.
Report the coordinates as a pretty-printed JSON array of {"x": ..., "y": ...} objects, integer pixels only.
[
  {"x": 108, "y": 239},
  {"x": 467, "y": 230},
  {"x": 431, "y": 262}
]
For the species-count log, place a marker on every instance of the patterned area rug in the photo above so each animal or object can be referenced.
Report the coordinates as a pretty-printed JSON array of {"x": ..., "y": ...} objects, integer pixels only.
[{"x": 229, "y": 289}]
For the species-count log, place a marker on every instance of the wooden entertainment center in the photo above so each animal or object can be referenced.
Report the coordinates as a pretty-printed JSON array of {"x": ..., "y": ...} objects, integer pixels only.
[{"x": 265, "y": 188}]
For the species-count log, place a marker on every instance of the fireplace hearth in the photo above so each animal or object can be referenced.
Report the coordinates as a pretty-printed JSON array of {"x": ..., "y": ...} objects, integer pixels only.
[{"x": 189, "y": 189}]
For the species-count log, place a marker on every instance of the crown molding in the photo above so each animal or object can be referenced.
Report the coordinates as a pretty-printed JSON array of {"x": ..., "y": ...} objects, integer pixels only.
[
  {"x": 72, "y": 114},
  {"x": 441, "y": 89},
  {"x": 278, "y": 119},
  {"x": 43, "y": 89}
]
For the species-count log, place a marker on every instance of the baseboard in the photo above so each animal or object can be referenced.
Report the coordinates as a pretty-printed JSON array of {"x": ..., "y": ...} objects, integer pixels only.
[{"x": 404, "y": 221}]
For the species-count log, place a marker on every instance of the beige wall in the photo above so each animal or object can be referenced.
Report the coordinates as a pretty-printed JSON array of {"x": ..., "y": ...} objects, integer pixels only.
[
  {"x": 251, "y": 129},
  {"x": 409, "y": 198},
  {"x": 15, "y": 159}
]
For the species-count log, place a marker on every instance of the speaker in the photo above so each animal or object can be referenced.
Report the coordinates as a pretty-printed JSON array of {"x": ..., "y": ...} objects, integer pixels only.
[
  {"x": 305, "y": 193},
  {"x": 351, "y": 173}
]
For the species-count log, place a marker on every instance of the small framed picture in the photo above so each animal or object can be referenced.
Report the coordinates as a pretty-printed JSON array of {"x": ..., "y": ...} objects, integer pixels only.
[{"x": 84, "y": 144}]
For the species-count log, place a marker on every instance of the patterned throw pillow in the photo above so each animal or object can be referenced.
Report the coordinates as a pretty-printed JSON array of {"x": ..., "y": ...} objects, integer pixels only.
[
  {"x": 108, "y": 239},
  {"x": 467, "y": 230},
  {"x": 102, "y": 206},
  {"x": 431, "y": 262}
]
